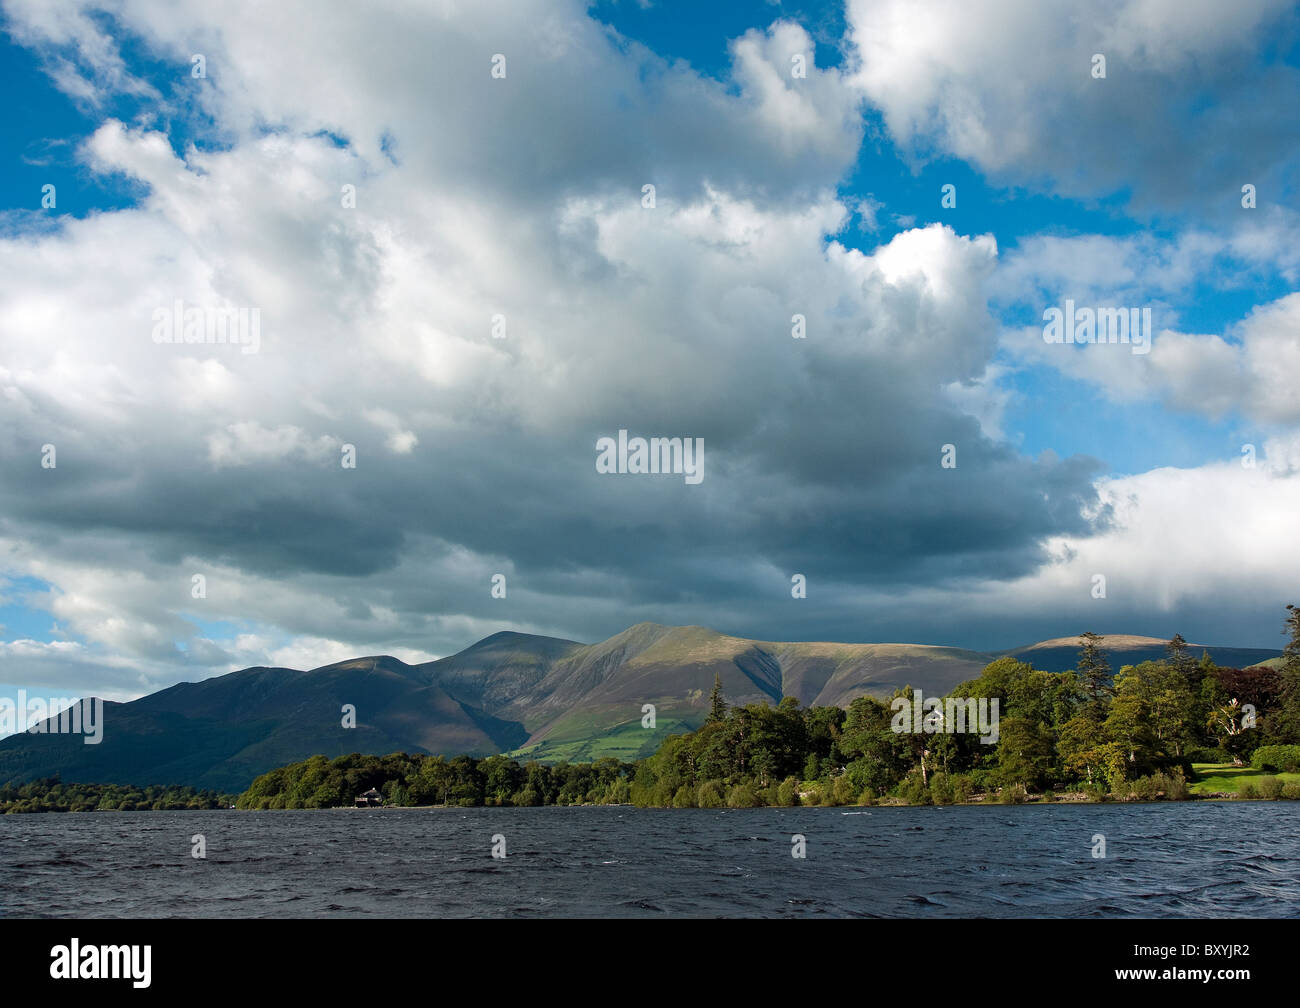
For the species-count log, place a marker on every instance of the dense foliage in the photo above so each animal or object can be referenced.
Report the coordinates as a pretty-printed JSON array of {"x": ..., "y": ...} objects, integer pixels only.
[
  {"x": 52, "y": 795},
  {"x": 433, "y": 780},
  {"x": 1277, "y": 757}
]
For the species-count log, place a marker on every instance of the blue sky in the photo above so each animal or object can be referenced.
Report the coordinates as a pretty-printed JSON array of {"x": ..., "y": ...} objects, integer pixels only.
[
  {"x": 1122, "y": 191},
  {"x": 41, "y": 134}
]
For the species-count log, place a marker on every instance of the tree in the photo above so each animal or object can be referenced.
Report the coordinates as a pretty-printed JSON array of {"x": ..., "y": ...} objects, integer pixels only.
[
  {"x": 1259, "y": 685},
  {"x": 1225, "y": 723},
  {"x": 717, "y": 705},
  {"x": 1292, "y": 626},
  {"x": 501, "y": 779},
  {"x": 1081, "y": 748},
  {"x": 823, "y": 727},
  {"x": 1130, "y": 721},
  {"x": 1024, "y": 752},
  {"x": 1180, "y": 655},
  {"x": 1094, "y": 672},
  {"x": 1286, "y": 726}
]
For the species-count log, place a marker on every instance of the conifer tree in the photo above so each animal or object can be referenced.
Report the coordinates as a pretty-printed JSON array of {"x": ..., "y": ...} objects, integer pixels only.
[
  {"x": 717, "y": 705},
  {"x": 1094, "y": 672},
  {"x": 1180, "y": 656}
]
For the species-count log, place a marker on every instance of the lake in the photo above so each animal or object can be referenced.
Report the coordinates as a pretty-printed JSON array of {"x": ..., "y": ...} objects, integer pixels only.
[{"x": 1201, "y": 859}]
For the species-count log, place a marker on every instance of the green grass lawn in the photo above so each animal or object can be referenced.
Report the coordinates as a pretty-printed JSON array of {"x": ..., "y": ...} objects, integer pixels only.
[
  {"x": 625, "y": 742},
  {"x": 1226, "y": 777}
]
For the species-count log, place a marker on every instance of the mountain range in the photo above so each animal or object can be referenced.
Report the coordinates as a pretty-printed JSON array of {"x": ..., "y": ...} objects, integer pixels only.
[{"x": 531, "y": 696}]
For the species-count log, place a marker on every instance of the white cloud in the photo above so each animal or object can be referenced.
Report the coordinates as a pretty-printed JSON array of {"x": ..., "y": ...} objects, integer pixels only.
[
  {"x": 1248, "y": 372},
  {"x": 1008, "y": 86},
  {"x": 1217, "y": 536}
]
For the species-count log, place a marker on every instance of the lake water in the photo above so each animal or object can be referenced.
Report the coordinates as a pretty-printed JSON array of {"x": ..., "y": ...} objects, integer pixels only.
[{"x": 1205, "y": 859}]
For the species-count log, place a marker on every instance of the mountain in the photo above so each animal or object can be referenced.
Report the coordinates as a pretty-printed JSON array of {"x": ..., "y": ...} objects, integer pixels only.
[
  {"x": 224, "y": 731},
  {"x": 590, "y": 704},
  {"x": 531, "y": 696}
]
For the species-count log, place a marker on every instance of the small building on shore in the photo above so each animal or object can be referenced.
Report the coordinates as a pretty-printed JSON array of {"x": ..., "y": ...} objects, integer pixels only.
[{"x": 370, "y": 799}]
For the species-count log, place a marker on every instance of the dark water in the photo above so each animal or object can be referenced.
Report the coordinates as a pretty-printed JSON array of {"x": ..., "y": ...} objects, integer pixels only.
[{"x": 1204, "y": 859}]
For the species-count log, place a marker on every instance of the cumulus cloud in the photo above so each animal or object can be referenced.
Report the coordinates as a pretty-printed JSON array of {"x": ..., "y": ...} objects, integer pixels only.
[
  {"x": 1254, "y": 374},
  {"x": 1248, "y": 372},
  {"x": 1008, "y": 85},
  {"x": 1182, "y": 542}
]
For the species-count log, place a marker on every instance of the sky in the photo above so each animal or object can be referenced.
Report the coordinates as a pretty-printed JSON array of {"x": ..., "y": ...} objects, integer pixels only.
[{"x": 437, "y": 214}]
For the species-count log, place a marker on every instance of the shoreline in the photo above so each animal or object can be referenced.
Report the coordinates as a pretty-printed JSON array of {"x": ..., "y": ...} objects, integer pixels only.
[{"x": 847, "y": 809}]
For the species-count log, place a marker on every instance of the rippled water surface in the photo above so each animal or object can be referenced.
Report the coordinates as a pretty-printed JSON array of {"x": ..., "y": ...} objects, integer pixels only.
[{"x": 1201, "y": 859}]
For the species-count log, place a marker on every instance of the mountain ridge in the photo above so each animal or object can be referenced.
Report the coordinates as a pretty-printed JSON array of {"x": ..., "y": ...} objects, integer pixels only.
[{"x": 525, "y": 694}]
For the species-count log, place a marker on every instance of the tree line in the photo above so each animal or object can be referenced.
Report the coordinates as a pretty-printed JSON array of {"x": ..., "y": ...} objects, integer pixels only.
[
  {"x": 50, "y": 794},
  {"x": 404, "y": 779}
]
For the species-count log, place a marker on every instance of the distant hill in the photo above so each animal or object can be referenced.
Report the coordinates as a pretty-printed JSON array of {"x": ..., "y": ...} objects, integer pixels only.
[
  {"x": 1061, "y": 653},
  {"x": 533, "y": 696}
]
